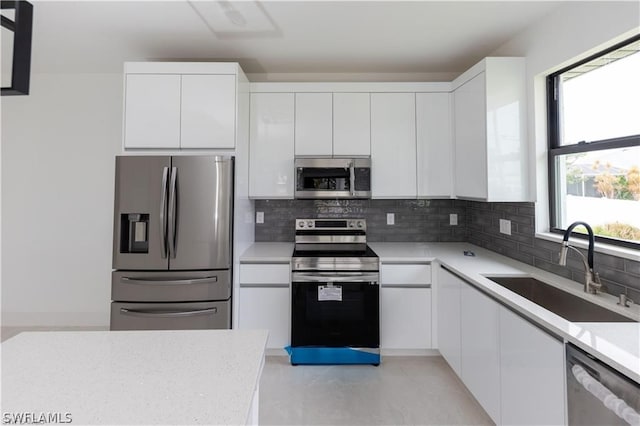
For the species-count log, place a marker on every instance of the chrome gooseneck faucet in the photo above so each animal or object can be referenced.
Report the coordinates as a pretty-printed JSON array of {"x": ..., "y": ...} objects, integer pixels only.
[{"x": 591, "y": 279}]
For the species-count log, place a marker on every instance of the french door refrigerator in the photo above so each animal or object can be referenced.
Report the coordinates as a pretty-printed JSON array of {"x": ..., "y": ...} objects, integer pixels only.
[{"x": 172, "y": 243}]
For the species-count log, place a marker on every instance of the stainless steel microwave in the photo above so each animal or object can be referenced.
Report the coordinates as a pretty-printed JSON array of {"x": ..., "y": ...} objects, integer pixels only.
[{"x": 333, "y": 177}]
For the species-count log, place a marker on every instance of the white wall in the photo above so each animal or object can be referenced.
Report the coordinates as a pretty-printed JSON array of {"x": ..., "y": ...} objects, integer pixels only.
[
  {"x": 573, "y": 31},
  {"x": 58, "y": 148}
]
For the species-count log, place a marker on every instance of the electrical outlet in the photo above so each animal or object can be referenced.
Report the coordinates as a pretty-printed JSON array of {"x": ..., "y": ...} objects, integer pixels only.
[
  {"x": 391, "y": 218},
  {"x": 259, "y": 217},
  {"x": 505, "y": 226},
  {"x": 453, "y": 219}
]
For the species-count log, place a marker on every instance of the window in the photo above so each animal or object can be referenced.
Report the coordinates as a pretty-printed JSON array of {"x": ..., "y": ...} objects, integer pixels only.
[{"x": 594, "y": 144}]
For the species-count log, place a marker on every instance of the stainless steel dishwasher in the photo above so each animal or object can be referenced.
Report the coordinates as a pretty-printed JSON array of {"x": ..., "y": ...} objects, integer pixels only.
[{"x": 597, "y": 394}]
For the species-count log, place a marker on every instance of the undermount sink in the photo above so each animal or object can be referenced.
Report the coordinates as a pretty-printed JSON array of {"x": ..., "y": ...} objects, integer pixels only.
[{"x": 568, "y": 306}]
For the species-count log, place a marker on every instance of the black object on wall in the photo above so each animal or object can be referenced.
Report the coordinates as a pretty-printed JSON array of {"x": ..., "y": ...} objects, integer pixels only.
[{"x": 22, "y": 29}]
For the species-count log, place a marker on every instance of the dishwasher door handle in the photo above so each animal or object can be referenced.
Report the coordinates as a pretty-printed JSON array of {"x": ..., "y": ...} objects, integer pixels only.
[{"x": 608, "y": 398}]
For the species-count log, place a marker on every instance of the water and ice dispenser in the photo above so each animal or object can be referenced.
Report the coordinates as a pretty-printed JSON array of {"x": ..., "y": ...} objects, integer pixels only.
[{"x": 134, "y": 233}]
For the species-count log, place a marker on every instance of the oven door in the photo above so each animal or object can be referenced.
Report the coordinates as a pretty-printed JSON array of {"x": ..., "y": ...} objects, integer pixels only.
[{"x": 335, "y": 309}]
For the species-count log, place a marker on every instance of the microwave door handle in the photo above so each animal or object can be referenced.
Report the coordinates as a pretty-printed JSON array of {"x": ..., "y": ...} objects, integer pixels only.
[
  {"x": 163, "y": 215},
  {"x": 352, "y": 178}
]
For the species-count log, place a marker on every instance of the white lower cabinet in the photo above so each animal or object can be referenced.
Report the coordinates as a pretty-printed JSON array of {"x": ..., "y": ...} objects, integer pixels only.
[
  {"x": 532, "y": 373},
  {"x": 265, "y": 301},
  {"x": 480, "y": 349},
  {"x": 448, "y": 302},
  {"x": 513, "y": 368},
  {"x": 405, "y": 306},
  {"x": 405, "y": 318}
]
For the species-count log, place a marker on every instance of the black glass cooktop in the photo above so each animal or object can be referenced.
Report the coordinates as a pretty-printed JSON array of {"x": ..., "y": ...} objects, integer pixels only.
[{"x": 335, "y": 253}]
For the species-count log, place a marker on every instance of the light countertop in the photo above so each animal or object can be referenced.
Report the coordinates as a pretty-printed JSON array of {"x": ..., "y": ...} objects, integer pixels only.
[
  {"x": 268, "y": 252},
  {"x": 617, "y": 344},
  {"x": 134, "y": 377}
]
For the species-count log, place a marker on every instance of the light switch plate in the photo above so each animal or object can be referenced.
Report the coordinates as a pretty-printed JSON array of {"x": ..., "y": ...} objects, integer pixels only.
[
  {"x": 259, "y": 217},
  {"x": 453, "y": 219},
  {"x": 391, "y": 218},
  {"x": 505, "y": 226}
]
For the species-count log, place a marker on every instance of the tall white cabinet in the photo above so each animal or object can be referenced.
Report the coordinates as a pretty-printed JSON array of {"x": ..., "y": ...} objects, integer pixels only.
[
  {"x": 181, "y": 105},
  {"x": 271, "y": 145},
  {"x": 393, "y": 145},
  {"x": 434, "y": 145},
  {"x": 490, "y": 131}
]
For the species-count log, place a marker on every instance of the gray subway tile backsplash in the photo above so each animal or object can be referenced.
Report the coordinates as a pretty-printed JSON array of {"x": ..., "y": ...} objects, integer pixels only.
[{"x": 428, "y": 221}]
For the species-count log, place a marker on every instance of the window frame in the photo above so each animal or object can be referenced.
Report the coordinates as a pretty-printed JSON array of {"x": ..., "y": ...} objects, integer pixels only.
[{"x": 555, "y": 149}]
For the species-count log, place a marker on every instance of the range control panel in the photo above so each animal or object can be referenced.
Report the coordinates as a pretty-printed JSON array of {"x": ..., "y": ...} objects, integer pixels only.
[{"x": 331, "y": 224}]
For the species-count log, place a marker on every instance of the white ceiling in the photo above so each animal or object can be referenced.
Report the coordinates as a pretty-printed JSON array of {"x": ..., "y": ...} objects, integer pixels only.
[{"x": 278, "y": 37}]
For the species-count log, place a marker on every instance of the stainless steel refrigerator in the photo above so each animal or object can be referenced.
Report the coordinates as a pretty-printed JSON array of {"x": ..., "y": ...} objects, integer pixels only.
[{"x": 172, "y": 243}]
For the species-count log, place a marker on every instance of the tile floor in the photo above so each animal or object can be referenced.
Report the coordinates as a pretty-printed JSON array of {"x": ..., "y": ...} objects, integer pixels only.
[{"x": 401, "y": 391}]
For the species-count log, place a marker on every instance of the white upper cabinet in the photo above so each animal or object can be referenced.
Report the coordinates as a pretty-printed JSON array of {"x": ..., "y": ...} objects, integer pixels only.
[
  {"x": 490, "y": 131},
  {"x": 152, "y": 111},
  {"x": 434, "y": 145},
  {"x": 333, "y": 124},
  {"x": 393, "y": 145},
  {"x": 314, "y": 113},
  {"x": 470, "y": 139},
  {"x": 351, "y": 124},
  {"x": 271, "y": 145},
  {"x": 208, "y": 111},
  {"x": 176, "y": 105}
]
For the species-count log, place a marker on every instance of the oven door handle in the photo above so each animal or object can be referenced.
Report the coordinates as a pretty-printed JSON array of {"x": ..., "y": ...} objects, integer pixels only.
[{"x": 333, "y": 277}]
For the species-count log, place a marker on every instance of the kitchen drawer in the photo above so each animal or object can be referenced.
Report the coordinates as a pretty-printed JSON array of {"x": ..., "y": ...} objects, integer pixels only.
[
  {"x": 418, "y": 274},
  {"x": 265, "y": 273}
]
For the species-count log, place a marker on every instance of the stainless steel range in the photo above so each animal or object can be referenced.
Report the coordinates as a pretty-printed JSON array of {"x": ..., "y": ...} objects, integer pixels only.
[{"x": 335, "y": 312}]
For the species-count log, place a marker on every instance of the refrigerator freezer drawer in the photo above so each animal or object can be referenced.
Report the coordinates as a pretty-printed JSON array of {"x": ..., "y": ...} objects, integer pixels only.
[
  {"x": 170, "y": 286},
  {"x": 170, "y": 316}
]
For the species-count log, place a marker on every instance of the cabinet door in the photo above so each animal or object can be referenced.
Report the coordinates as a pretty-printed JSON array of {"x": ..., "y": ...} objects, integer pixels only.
[
  {"x": 393, "y": 145},
  {"x": 271, "y": 146},
  {"x": 480, "y": 349},
  {"x": 532, "y": 373},
  {"x": 405, "y": 318},
  {"x": 152, "y": 111},
  {"x": 434, "y": 145},
  {"x": 208, "y": 111},
  {"x": 313, "y": 124},
  {"x": 266, "y": 308},
  {"x": 470, "y": 117},
  {"x": 448, "y": 301},
  {"x": 351, "y": 124}
]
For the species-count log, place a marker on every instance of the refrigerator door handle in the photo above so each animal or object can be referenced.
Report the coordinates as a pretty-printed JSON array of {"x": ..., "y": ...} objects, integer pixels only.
[
  {"x": 167, "y": 313},
  {"x": 172, "y": 213},
  {"x": 204, "y": 280},
  {"x": 163, "y": 217}
]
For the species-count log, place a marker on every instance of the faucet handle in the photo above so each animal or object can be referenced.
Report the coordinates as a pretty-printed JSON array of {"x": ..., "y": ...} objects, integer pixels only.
[
  {"x": 624, "y": 300},
  {"x": 595, "y": 284}
]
